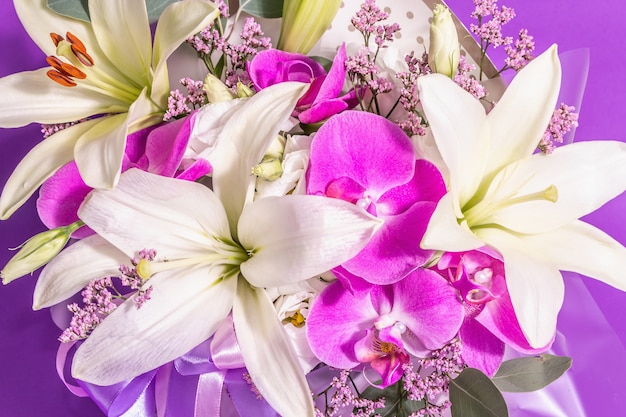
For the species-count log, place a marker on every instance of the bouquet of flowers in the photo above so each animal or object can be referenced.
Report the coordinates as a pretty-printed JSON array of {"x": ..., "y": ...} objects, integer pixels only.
[{"x": 308, "y": 227}]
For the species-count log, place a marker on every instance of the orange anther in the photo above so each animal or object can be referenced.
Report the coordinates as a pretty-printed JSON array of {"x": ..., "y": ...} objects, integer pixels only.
[
  {"x": 72, "y": 71},
  {"x": 54, "y": 62},
  {"x": 75, "y": 41},
  {"x": 59, "y": 78},
  {"x": 56, "y": 38},
  {"x": 82, "y": 56}
]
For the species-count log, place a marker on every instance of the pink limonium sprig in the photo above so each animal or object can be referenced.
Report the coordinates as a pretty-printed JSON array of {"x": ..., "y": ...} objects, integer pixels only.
[
  {"x": 101, "y": 298},
  {"x": 563, "y": 120},
  {"x": 180, "y": 105},
  {"x": 346, "y": 395}
]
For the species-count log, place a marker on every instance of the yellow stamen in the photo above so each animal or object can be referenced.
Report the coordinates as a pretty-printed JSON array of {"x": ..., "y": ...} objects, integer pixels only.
[{"x": 296, "y": 319}]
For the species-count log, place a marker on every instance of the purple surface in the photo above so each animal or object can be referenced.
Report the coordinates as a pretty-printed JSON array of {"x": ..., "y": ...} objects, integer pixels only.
[{"x": 29, "y": 385}]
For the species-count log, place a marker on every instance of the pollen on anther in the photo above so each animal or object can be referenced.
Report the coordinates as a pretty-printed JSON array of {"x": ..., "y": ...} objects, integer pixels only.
[
  {"x": 56, "y": 38},
  {"x": 73, "y": 39},
  {"x": 60, "y": 78},
  {"x": 82, "y": 56}
]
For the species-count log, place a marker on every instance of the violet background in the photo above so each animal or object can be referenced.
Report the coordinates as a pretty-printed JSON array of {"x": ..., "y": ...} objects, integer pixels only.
[{"x": 29, "y": 385}]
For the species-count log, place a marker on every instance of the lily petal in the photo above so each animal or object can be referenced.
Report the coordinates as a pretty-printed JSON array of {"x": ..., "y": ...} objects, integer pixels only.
[
  {"x": 33, "y": 97},
  {"x": 39, "y": 164},
  {"x": 521, "y": 117},
  {"x": 133, "y": 216},
  {"x": 458, "y": 122},
  {"x": 123, "y": 345},
  {"x": 586, "y": 175},
  {"x": 534, "y": 283},
  {"x": 78, "y": 264},
  {"x": 112, "y": 24},
  {"x": 268, "y": 354},
  {"x": 179, "y": 21},
  {"x": 580, "y": 247},
  {"x": 296, "y": 237},
  {"x": 244, "y": 140}
]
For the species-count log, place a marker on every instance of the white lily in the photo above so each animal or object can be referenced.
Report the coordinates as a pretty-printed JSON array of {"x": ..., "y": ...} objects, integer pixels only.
[
  {"x": 106, "y": 68},
  {"x": 524, "y": 205},
  {"x": 220, "y": 250}
]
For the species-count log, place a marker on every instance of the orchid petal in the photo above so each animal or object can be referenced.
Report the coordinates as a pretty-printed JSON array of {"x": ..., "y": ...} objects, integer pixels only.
[
  {"x": 296, "y": 237},
  {"x": 78, "y": 264},
  {"x": 586, "y": 175},
  {"x": 521, "y": 117},
  {"x": 273, "y": 66},
  {"x": 166, "y": 146},
  {"x": 458, "y": 122},
  {"x": 322, "y": 110},
  {"x": 582, "y": 248},
  {"x": 179, "y": 21},
  {"x": 333, "y": 340},
  {"x": 444, "y": 231},
  {"x": 534, "y": 283},
  {"x": 133, "y": 216},
  {"x": 39, "y": 164},
  {"x": 481, "y": 349},
  {"x": 354, "y": 137},
  {"x": 244, "y": 140},
  {"x": 111, "y": 23},
  {"x": 268, "y": 354},
  {"x": 122, "y": 346},
  {"x": 334, "y": 80},
  {"x": 33, "y": 97}
]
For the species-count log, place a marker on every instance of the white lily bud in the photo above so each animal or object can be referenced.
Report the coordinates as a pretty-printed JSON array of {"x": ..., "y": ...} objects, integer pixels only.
[
  {"x": 216, "y": 91},
  {"x": 444, "y": 52},
  {"x": 37, "y": 251},
  {"x": 304, "y": 22}
]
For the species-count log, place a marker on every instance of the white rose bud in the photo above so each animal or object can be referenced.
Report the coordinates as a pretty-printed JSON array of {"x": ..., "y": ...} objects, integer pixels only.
[{"x": 444, "y": 51}]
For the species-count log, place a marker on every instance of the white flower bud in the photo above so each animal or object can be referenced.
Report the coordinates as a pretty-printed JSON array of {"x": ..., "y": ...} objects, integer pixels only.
[
  {"x": 37, "y": 251},
  {"x": 444, "y": 51},
  {"x": 304, "y": 22},
  {"x": 216, "y": 91}
]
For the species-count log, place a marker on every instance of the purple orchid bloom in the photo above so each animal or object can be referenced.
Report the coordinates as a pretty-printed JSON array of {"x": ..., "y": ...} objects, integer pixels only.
[
  {"x": 156, "y": 149},
  {"x": 365, "y": 159},
  {"x": 490, "y": 321},
  {"x": 323, "y": 99},
  {"x": 383, "y": 326}
]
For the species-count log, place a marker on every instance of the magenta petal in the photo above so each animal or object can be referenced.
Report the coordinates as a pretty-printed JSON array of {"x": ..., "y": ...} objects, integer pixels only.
[
  {"x": 166, "y": 146},
  {"x": 332, "y": 340},
  {"x": 351, "y": 282},
  {"x": 273, "y": 66},
  {"x": 346, "y": 189},
  {"x": 371, "y": 150},
  {"x": 390, "y": 367},
  {"x": 481, "y": 349},
  {"x": 197, "y": 169},
  {"x": 499, "y": 318},
  {"x": 333, "y": 83},
  {"x": 59, "y": 199},
  {"x": 394, "y": 250},
  {"x": 322, "y": 110},
  {"x": 426, "y": 185},
  {"x": 429, "y": 307}
]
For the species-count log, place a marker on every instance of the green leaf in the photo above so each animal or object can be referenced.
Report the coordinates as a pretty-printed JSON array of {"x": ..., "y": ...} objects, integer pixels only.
[
  {"x": 472, "y": 394},
  {"x": 530, "y": 374},
  {"x": 396, "y": 403},
  {"x": 268, "y": 9},
  {"x": 76, "y": 9},
  {"x": 156, "y": 7}
]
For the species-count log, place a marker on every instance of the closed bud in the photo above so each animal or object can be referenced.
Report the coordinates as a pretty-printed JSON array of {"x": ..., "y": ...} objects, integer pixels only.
[
  {"x": 270, "y": 169},
  {"x": 243, "y": 90},
  {"x": 444, "y": 51},
  {"x": 216, "y": 91},
  {"x": 304, "y": 22},
  {"x": 37, "y": 251}
]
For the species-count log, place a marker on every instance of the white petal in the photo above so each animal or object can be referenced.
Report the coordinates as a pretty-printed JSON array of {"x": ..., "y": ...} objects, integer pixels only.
[
  {"x": 586, "y": 175},
  {"x": 521, "y": 116},
  {"x": 244, "y": 140},
  {"x": 457, "y": 121},
  {"x": 534, "y": 284},
  {"x": 185, "y": 308},
  {"x": 39, "y": 164},
  {"x": 145, "y": 211},
  {"x": 123, "y": 32},
  {"x": 33, "y": 97},
  {"x": 268, "y": 354},
  {"x": 582, "y": 248},
  {"x": 444, "y": 231},
  {"x": 178, "y": 22},
  {"x": 296, "y": 237},
  {"x": 71, "y": 270}
]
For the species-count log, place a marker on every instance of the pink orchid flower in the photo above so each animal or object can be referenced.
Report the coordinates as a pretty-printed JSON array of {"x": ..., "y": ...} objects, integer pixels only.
[
  {"x": 382, "y": 327},
  {"x": 158, "y": 150},
  {"x": 323, "y": 98},
  {"x": 490, "y": 321},
  {"x": 367, "y": 160}
]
